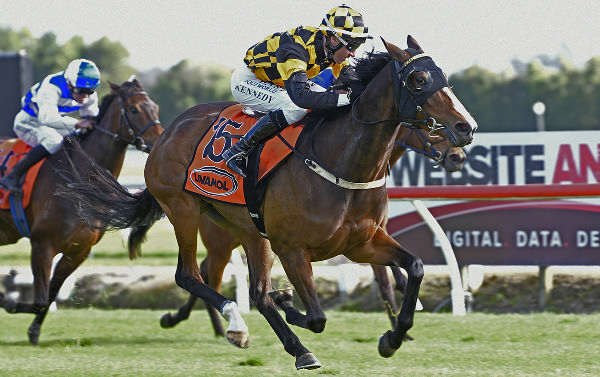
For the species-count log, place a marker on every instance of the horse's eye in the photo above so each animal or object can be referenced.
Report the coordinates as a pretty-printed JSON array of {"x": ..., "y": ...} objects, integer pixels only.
[
  {"x": 133, "y": 110},
  {"x": 421, "y": 81}
]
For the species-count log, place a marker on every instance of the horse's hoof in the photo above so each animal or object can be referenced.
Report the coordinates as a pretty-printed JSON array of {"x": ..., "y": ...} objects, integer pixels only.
[
  {"x": 385, "y": 347},
  {"x": 307, "y": 361},
  {"x": 166, "y": 321},
  {"x": 238, "y": 338},
  {"x": 34, "y": 333}
]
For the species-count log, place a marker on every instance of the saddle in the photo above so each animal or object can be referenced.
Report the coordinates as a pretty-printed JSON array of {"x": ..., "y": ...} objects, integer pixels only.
[
  {"x": 208, "y": 176},
  {"x": 11, "y": 152}
]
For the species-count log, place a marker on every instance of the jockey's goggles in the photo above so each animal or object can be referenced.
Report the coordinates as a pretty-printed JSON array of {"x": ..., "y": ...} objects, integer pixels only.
[
  {"x": 82, "y": 91},
  {"x": 352, "y": 44}
]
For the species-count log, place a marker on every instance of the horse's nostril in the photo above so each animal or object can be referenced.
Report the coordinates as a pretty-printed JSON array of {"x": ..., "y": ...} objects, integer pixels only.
[{"x": 462, "y": 127}]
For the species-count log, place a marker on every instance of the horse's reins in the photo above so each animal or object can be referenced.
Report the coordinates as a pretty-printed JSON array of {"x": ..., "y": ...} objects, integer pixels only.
[
  {"x": 436, "y": 155},
  {"x": 134, "y": 132}
]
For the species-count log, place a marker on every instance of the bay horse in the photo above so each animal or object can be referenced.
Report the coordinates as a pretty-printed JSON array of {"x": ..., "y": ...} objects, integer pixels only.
[
  {"x": 307, "y": 218},
  {"x": 219, "y": 242},
  {"x": 127, "y": 117}
]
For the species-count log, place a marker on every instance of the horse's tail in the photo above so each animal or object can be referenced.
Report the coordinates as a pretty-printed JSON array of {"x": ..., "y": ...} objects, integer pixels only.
[
  {"x": 137, "y": 236},
  {"x": 105, "y": 204}
]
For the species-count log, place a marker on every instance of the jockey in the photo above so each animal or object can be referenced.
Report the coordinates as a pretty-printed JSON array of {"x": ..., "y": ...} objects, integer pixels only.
[
  {"x": 275, "y": 78},
  {"x": 42, "y": 122}
]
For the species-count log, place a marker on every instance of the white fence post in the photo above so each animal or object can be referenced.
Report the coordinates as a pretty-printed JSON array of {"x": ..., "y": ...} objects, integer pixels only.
[
  {"x": 239, "y": 271},
  {"x": 456, "y": 292}
]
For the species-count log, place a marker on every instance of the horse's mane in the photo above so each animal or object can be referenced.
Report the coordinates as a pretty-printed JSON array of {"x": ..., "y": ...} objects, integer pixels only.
[
  {"x": 365, "y": 68},
  {"x": 104, "y": 105},
  {"x": 368, "y": 66}
]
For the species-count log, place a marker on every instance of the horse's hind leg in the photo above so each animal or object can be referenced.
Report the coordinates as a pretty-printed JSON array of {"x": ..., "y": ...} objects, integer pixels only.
[
  {"x": 212, "y": 268},
  {"x": 219, "y": 245},
  {"x": 170, "y": 320},
  {"x": 401, "y": 280},
  {"x": 299, "y": 271},
  {"x": 184, "y": 215},
  {"x": 387, "y": 292}
]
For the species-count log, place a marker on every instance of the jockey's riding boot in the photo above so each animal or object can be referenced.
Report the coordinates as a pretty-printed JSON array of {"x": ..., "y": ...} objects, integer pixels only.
[
  {"x": 236, "y": 157},
  {"x": 12, "y": 181}
]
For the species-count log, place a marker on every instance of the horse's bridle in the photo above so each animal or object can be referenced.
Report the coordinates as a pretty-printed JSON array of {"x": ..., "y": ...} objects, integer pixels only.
[
  {"x": 427, "y": 147},
  {"x": 132, "y": 129},
  {"x": 413, "y": 100}
]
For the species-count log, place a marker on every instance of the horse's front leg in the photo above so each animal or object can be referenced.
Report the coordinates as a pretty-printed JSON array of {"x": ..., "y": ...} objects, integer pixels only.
[
  {"x": 260, "y": 260},
  {"x": 41, "y": 265},
  {"x": 384, "y": 250}
]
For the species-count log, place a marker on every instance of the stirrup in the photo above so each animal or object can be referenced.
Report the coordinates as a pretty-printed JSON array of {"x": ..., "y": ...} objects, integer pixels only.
[{"x": 8, "y": 185}]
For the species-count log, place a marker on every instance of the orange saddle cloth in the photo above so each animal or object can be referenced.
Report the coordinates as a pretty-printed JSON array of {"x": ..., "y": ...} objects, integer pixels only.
[
  {"x": 11, "y": 152},
  {"x": 208, "y": 175}
]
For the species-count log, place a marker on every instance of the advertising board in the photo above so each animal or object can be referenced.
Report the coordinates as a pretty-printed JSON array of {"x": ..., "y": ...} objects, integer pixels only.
[{"x": 532, "y": 232}]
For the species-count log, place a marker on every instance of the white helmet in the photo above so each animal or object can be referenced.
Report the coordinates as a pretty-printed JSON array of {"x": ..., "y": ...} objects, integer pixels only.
[{"x": 82, "y": 73}]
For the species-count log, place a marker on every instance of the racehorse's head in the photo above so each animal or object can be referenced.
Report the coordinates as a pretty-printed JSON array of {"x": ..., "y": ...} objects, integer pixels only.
[
  {"x": 424, "y": 96},
  {"x": 141, "y": 126}
]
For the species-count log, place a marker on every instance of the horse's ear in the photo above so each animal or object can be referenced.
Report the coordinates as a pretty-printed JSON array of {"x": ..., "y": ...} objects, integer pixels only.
[
  {"x": 395, "y": 51},
  {"x": 412, "y": 43},
  {"x": 113, "y": 86}
]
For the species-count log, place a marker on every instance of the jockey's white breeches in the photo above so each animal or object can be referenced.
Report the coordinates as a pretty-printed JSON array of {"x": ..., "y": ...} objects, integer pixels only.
[
  {"x": 32, "y": 132},
  {"x": 264, "y": 96}
]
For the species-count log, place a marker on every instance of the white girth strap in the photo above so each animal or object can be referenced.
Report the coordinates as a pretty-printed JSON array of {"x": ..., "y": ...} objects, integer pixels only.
[{"x": 342, "y": 182}]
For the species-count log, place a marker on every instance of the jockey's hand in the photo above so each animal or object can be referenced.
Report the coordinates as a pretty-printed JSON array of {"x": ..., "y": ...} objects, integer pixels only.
[{"x": 85, "y": 123}]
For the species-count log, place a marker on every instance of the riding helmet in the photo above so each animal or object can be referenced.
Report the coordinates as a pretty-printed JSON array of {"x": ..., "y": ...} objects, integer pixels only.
[{"x": 82, "y": 73}]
